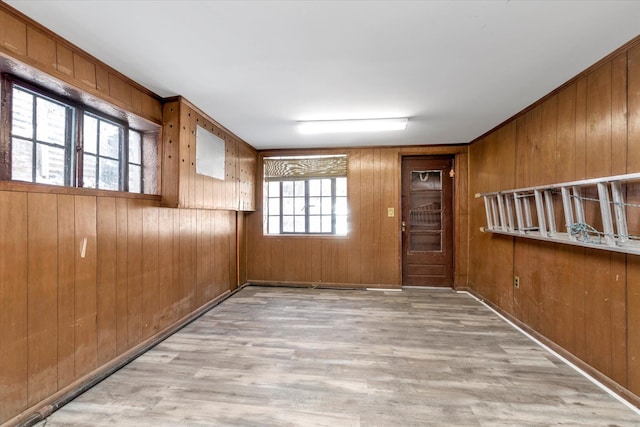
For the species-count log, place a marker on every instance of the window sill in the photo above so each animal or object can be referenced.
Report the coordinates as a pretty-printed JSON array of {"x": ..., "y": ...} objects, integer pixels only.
[
  {"x": 306, "y": 236},
  {"x": 29, "y": 187}
]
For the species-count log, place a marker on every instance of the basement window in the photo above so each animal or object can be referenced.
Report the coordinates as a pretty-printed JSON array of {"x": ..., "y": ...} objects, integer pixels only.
[
  {"x": 305, "y": 195},
  {"x": 56, "y": 141}
]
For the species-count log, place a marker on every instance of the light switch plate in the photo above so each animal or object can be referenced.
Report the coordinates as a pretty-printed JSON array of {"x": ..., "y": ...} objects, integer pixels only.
[{"x": 391, "y": 212}]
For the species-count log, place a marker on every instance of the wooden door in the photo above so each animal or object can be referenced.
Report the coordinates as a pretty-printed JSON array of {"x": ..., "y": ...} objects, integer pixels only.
[{"x": 427, "y": 221}]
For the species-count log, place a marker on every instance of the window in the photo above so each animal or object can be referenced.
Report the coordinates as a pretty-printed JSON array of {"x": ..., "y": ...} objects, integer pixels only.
[
  {"x": 57, "y": 141},
  {"x": 305, "y": 195}
]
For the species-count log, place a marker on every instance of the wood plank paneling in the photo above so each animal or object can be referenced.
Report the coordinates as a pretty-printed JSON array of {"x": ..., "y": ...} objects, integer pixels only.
[
  {"x": 135, "y": 320},
  {"x": 64, "y": 59},
  {"x": 13, "y": 34},
  {"x": 84, "y": 70},
  {"x": 122, "y": 275},
  {"x": 41, "y": 49},
  {"x": 150, "y": 259},
  {"x": 85, "y": 291},
  {"x": 43, "y": 288},
  {"x": 66, "y": 289},
  {"x": 166, "y": 283},
  {"x": 13, "y": 294},
  {"x": 106, "y": 279}
]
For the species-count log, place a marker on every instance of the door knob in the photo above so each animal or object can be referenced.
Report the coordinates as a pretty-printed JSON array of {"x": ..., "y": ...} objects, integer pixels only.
[{"x": 404, "y": 226}]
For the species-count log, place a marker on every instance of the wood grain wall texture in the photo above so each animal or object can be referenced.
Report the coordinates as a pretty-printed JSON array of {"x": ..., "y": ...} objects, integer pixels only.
[
  {"x": 182, "y": 186},
  {"x": 30, "y": 43},
  {"x": 586, "y": 301},
  {"x": 370, "y": 256},
  {"x": 64, "y": 314}
]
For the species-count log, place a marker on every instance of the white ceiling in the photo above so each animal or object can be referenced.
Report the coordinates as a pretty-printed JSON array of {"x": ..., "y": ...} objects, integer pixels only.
[{"x": 455, "y": 68}]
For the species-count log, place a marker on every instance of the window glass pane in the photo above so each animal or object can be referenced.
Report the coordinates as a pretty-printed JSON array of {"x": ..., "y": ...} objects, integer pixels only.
[
  {"x": 51, "y": 121},
  {"x": 274, "y": 206},
  {"x": 49, "y": 164},
  {"x": 274, "y": 225},
  {"x": 274, "y": 189},
  {"x": 314, "y": 187},
  {"x": 22, "y": 115},
  {"x": 326, "y": 187},
  {"x": 287, "y": 188},
  {"x": 287, "y": 224},
  {"x": 326, "y": 205},
  {"x": 89, "y": 171},
  {"x": 135, "y": 179},
  {"x": 299, "y": 207},
  {"x": 109, "y": 174},
  {"x": 341, "y": 225},
  {"x": 299, "y": 188},
  {"x": 90, "y": 134},
  {"x": 21, "y": 160},
  {"x": 287, "y": 206},
  {"x": 341, "y": 205},
  {"x": 109, "y": 140},
  {"x": 314, "y": 205},
  {"x": 326, "y": 224},
  {"x": 341, "y": 186},
  {"x": 300, "y": 228},
  {"x": 314, "y": 224},
  {"x": 135, "y": 147}
]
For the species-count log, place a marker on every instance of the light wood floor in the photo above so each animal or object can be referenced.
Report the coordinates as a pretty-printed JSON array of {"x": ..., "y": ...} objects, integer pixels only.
[{"x": 310, "y": 357}]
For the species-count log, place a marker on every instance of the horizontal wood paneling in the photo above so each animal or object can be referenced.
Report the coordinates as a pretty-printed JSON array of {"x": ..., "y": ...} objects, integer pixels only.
[
  {"x": 370, "y": 255},
  {"x": 583, "y": 300},
  {"x": 93, "y": 305}
]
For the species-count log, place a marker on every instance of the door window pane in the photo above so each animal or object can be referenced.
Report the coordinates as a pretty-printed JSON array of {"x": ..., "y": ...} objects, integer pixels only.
[
  {"x": 426, "y": 180},
  {"x": 426, "y": 242}
]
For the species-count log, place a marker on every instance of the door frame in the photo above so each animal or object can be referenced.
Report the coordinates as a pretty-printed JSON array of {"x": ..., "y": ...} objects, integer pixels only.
[{"x": 454, "y": 155}]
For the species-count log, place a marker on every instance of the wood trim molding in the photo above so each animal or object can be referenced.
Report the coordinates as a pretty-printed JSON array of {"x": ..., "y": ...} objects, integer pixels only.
[
  {"x": 28, "y": 187},
  {"x": 597, "y": 375},
  {"x": 322, "y": 285}
]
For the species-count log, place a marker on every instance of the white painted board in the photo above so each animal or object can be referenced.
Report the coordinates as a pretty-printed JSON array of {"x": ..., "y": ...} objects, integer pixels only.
[{"x": 210, "y": 152}]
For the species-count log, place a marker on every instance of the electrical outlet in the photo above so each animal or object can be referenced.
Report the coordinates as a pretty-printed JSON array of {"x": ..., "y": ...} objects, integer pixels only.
[{"x": 516, "y": 282}]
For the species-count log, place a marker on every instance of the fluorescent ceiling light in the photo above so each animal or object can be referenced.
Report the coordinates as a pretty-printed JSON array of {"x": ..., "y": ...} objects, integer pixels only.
[{"x": 342, "y": 126}]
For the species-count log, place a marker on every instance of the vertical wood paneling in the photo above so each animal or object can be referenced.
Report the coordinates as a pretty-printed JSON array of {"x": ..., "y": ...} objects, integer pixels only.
[
  {"x": 13, "y": 294},
  {"x": 85, "y": 292},
  {"x": 41, "y": 49},
  {"x": 64, "y": 59},
  {"x": 633, "y": 262},
  {"x": 166, "y": 283},
  {"x": 150, "y": 304},
  {"x": 43, "y": 288},
  {"x": 134, "y": 273},
  {"x": 84, "y": 71},
  {"x": 354, "y": 197},
  {"x": 106, "y": 279},
  {"x": 66, "y": 289},
  {"x": 122, "y": 275},
  {"x": 598, "y": 133}
]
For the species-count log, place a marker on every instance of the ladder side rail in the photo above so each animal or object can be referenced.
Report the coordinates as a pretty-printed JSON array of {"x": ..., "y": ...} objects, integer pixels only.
[
  {"x": 542, "y": 226},
  {"x": 619, "y": 209},
  {"x": 551, "y": 216},
  {"x": 494, "y": 213},
  {"x": 605, "y": 213}
]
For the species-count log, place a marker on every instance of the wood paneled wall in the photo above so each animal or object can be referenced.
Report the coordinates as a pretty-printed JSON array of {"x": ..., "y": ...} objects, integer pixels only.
[
  {"x": 587, "y": 301},
  {"x": 67, "y": 311},
  {"x": 370, "y": 256},
  {"x": 32, "y": 44},
  {"x": 182, "y": 186}
]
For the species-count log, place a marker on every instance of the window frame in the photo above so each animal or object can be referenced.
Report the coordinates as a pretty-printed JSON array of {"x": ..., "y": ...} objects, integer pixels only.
[
  {"x": 74, "y": 137},
  {"x": 339, "y": 220}
]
